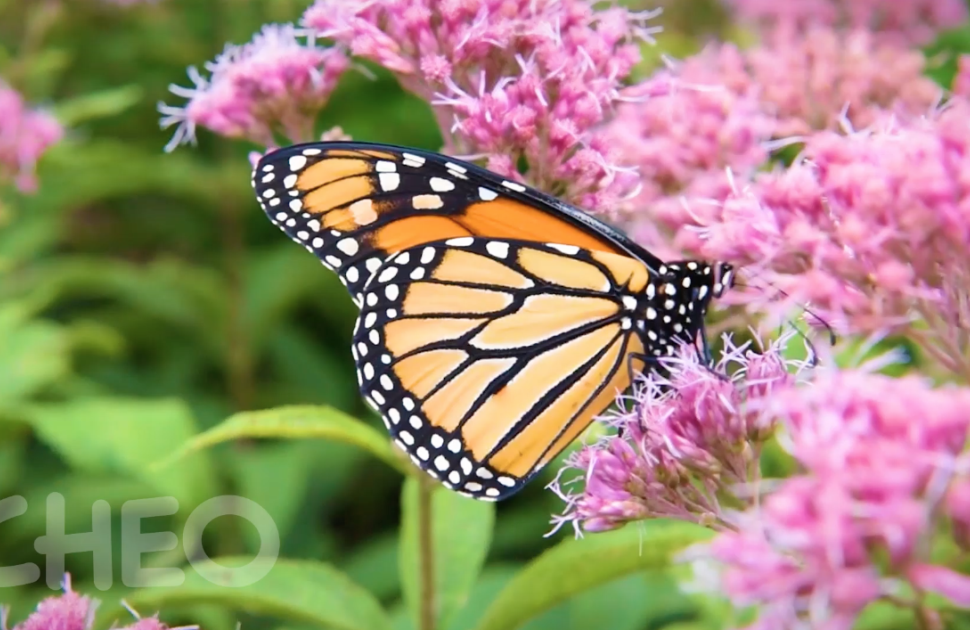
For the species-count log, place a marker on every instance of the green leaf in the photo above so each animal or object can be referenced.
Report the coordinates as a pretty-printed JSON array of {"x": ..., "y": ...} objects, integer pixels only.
[
  {"x": 885, "y": 616},
  {"x": 122, "y": 436},
  {"x": 461, "y": 530},
  {"x": 103, "y": 104},
  {"x": 296, "y": 423},
  {"x": 275, "y": 477},
  {"x": 33, "y": 354},
  {"x": 368, "y": 566},
  {"x": 268, "y": 302},
  {"x": 177, "y": 293},
  {"x": 575, "y": 566},
  {"x": 307, "y": 592}
]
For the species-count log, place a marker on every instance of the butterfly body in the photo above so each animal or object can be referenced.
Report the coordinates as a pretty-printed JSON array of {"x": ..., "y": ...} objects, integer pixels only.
[{"x": 495, "y": 321}]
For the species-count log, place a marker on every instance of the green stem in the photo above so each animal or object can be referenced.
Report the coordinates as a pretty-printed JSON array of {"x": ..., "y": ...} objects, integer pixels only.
[{"x": 426, "y": 595}]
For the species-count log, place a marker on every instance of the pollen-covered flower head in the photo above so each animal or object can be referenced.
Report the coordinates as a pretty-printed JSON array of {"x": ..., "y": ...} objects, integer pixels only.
[
  {"x": 687, "y": 438},
  {"x": 278, "y": 82}
]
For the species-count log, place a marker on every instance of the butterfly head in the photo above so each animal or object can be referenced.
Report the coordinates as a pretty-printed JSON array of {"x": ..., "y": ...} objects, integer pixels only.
[
  {"x": 723, "y": 275},
  {"x": 698, "y": 282}
]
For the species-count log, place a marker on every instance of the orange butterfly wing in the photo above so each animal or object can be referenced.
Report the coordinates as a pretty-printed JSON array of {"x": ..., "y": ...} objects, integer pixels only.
[
  {"x": 354, "y": 204},
  {"x": 487, "y": 357}
]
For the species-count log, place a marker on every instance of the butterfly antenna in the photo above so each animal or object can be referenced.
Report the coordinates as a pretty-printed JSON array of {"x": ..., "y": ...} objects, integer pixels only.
[{"x": 813, "y": 352}]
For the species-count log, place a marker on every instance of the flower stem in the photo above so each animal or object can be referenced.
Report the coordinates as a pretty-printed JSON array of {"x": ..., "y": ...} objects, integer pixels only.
[{"x": 426, "y": 597}]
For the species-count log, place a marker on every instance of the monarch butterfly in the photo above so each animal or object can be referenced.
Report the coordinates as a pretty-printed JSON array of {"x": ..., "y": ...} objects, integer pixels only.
[{"x": 495, "y": 320}]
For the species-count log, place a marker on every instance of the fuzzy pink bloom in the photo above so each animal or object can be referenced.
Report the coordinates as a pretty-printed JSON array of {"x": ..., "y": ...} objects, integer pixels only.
[
  {"x": 872, "y": 229},
  {"x": 276, "y": 82},
  {"x": 508, "y": 79},
  {"x": 900, "y": 21},
  {"x": 724, "y": 105},
  {"x": 685, "y": 142},
  {"x": 878, "y": 455},
  {"x": 69, "y": 611},
  {"x": 25, "y": 134},
  {"x": 690, "y": 437},
  {"x": 811, "y": 80}
]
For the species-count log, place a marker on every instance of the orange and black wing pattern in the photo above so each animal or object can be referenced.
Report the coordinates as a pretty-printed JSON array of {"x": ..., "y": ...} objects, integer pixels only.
[
  {"x": 353, "y": 204},
  {"x": 496, "y": 321},
  {"x": 487, "y": 357}
]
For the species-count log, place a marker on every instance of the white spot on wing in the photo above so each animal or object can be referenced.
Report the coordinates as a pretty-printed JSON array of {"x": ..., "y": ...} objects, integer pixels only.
[
  {"x": 571, "y": 250},
  {"x": 348, "y": 246},
  {"x": 389, "y": 181},
  {"x": 297, "y": 162},
  {"x": 439, "y": 184},
  {"x": 497, "y": 249},
  {"x": 486, "y": 194},
  {"x": 387, "y": 274}
]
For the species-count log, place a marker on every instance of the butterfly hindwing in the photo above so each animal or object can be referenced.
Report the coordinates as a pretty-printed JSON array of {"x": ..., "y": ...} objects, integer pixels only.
[
  {"x": 487, "y": 357},
  {"x": 354, "y": 204}
]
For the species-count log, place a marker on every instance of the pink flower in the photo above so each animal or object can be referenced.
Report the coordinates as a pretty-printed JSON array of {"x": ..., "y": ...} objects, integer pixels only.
[
  {"x": 871, "y": 229},
  {"x": 685, "y": 140},
  {"x": 901, "y": 21},
  {"x": 813, "y": 80},
  {"x": 69, "y": 611},
  {"x": 25, "y": 134},
  {"x": 713, "y": 125},
  {"x": 273, "y": 83},
  {"x": 689, "y": 439},
  {"x": 510, "y": 80},
  {"x": 878, "y": 454}
]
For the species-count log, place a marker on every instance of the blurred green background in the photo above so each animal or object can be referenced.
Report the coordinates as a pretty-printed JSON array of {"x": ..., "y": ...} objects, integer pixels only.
[{"x": 145, "y": 298}]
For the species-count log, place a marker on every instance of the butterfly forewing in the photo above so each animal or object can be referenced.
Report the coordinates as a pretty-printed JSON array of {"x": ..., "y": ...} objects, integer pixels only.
[
  {"x": 487, "y": 357},
  {"x": 354, "y": 204}
]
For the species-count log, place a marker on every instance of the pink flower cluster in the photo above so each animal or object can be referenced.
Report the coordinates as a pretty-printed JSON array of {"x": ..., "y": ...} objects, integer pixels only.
[
  {"x": 813, "y": 80},
  {"x": 276, "y": 83},
  {"x": 509, "y": 79},
  {"x": 871, "y": 228},
  {"x": 25, "y": 134},
  {"x": 72, "y": 611},
  {"x": 724, "y": 105},
  {"x": 690, "y": 437},
  {"x": 903, "y": 21},
  {"x": 884, "y": 471}
]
